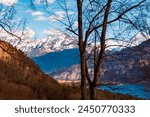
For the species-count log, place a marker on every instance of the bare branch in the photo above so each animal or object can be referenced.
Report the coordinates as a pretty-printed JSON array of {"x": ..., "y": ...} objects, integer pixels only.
[{"x": 119, "y": 16}]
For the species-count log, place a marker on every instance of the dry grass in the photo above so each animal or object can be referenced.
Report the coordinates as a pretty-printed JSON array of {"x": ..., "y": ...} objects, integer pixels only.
[
  {"x": 14, "y": 91},
  {"x": 15, "y": 81}
]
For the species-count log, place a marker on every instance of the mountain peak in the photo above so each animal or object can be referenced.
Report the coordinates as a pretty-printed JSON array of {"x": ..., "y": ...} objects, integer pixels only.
[{"x": 56, "y": 41}]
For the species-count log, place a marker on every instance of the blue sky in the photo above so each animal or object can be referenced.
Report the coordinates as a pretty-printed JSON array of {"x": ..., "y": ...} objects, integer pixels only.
[{"x": 37, "y": 18}]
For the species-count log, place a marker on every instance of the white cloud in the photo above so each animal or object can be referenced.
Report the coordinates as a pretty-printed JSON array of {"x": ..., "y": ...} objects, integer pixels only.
[
  {"x": 63, "y": 13},
  {"x": 75, "y": 24},
  {"x": 40, "y": 18},
  {"x": 27, "y": 34},
  {"x": 55, "y": 18},
  {"x": 71, "y": 13},
  {"x": 52, "y": 32},
  {"x": 37, "y": 13},
  {"x": 50, "y": 1},
  {"x": 29, "y": 11},
  {"x": 59, "y": 15},
  {"x": 8, "y": 2},
  {"x": 37, "y": 1}
]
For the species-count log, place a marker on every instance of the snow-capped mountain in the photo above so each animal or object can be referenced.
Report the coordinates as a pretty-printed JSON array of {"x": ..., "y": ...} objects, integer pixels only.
[
  {"x": 56, "y": 55},
  {"x": 57, "y": 41},
  {"x": 52, "y": 44}
]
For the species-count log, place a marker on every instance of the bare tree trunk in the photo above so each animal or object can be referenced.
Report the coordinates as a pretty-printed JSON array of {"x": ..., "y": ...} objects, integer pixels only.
[
  {"x": 82, "y": 51},
  {"x": 92, "y": 92},
  {"x": 99, "y": 62},
  {"x": 84, "y": 40},
  {"x": 83, "y": 75}
]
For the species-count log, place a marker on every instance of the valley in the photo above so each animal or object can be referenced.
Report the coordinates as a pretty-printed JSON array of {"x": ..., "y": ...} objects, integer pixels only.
[
  {"x": 32, "y": 83},
  {"x": 84, "y": 49},
  {"x": 122, "y": 69}
]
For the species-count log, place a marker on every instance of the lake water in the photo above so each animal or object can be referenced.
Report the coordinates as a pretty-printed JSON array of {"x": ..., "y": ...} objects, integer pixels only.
[{"x": 141, "y": 90}]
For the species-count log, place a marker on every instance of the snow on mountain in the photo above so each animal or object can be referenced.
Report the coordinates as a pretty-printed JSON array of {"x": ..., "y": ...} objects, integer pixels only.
[
  {"x": 118, "y": 44},
  {"x": 55, "y": 41}
]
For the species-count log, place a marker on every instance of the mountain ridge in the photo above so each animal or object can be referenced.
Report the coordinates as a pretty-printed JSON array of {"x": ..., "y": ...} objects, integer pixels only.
[
  {"x": 59, "y": 41},
  {"x": 54, "y": 61},
  {"x": 127, "y": 65},
  {"x": 24, "y": 77},
  {"x": 39, "y": 47}
]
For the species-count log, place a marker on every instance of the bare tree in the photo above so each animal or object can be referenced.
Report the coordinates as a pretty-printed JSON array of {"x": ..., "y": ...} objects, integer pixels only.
[
  {"x": 10, "y": 28},
  {"x": 95, "y": 18},
  {"x": 6, "y": 19},
  {"x": 104, "y": 16}
]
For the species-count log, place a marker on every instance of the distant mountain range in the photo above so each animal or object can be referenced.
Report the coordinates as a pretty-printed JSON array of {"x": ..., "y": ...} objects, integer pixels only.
[
  {"x": 56, "y": 61},
  {"x": 59, "y": 41},
  {"x": 58, "y": 55},
  {"x": 39, "y": 47},
  {"x": 131, "y": 64}
]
